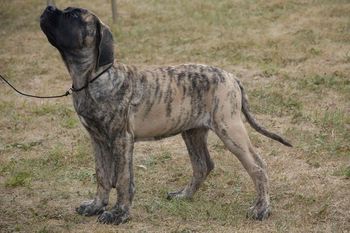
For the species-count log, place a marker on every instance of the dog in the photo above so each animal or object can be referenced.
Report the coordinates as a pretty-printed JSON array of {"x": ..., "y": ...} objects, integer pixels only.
[{"x": 120, "y": 105}]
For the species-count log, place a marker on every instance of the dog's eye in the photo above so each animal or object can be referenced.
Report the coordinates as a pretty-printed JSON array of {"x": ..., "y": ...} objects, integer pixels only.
[{"x": 75, "y": 12}]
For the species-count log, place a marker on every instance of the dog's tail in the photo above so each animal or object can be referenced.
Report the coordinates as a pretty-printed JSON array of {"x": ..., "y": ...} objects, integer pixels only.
[{"x": 250, "y": 118}]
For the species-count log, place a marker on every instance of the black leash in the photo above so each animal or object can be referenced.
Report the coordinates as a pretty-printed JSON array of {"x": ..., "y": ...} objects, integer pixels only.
[
  {"x": 35, "y": 96},
  {"x": 68, "y": 92}
]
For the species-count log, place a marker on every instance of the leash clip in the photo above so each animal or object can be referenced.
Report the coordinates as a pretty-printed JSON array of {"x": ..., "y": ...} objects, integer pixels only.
[{"x": 69, "y": 91}]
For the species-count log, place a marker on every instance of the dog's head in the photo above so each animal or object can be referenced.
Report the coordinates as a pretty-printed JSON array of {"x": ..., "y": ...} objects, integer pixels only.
[{"x": 75, "y": 30}]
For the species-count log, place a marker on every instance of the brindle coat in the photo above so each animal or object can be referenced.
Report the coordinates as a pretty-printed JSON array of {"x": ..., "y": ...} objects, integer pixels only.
[{"x": 125, "y": 105}]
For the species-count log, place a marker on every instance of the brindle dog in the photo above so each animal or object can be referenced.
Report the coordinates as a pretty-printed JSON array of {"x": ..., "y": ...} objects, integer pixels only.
[{"x": 125, "y": 105}]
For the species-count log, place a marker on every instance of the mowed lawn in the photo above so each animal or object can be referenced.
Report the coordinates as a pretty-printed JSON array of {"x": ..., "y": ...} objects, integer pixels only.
[{"x": 293, "y": 57}]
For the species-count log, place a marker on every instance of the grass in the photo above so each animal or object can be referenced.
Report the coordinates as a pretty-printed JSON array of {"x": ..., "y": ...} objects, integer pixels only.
[
  {"x": 292, "y": 56},
  {"x": 323, "y": 83},
  {"x": 17, "y": 179}
]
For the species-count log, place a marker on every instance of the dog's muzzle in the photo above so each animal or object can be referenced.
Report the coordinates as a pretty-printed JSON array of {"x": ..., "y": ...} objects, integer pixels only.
[{"x": 47, "y": 16}]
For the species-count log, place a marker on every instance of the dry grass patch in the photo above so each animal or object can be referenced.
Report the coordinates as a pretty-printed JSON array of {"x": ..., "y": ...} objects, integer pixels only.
[{"x": 294, "y": 59}]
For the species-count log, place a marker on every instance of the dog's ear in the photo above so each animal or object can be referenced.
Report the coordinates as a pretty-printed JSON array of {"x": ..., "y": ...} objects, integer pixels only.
[{"x": 104, "y": 43}]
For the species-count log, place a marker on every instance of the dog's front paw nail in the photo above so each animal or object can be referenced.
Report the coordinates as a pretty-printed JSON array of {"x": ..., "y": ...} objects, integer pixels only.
[
  {"x": 178, "y": 194},
  {"x": 89, "y": 208},
  {"x": 171, "y": 195},
  {"x": 122, "y": 218},
  {"x": 106, "y": 218},
  {"x": 261, "y": 213},
  {"x": 114, "y": 217}
]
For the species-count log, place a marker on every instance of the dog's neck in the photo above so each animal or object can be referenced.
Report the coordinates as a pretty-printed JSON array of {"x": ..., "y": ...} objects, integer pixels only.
[{"x": 81, "y": 66}]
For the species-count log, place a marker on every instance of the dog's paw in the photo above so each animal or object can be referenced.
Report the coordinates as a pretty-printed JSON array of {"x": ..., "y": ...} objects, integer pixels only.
[
  {"x": 89, "y": 208},
  {"x": 176, "y": 195},
  {"x": 259, "y": 212},
  {"x": 182, "y": 194},
  {"x": 115, "y": 216}
]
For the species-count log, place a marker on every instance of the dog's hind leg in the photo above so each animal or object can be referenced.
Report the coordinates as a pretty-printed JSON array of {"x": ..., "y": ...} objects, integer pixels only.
[
  {"x": 196, "y": 142},
  {"x": 105, "y": 176},
  {"x": 236, "y": 139}
]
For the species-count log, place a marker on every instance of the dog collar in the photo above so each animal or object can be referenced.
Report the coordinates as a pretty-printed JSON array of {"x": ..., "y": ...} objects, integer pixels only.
[{"x": 73, "y": 89}]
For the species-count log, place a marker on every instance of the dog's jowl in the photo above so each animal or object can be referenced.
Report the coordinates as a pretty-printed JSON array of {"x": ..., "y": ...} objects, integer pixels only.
[{"x": 120, "y": 105}]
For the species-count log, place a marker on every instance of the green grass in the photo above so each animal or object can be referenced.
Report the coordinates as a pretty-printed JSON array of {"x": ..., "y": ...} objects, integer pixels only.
[
  {"x": 18, "y": 179},
  {"x": 66, "y": 116},
  {"x": 275, "y": 102},
  {"x": 162, "y": 157},
  {"x": 322, "y": 83},
  {"x": 199, "y": 210},
  {"x": 24, "y": 146},
  {"x": 343, "y": 171},
  {"x": 329, "y": 141},
  {"x": 293, "y": 58},
  {"x": 333, "y": 136}
]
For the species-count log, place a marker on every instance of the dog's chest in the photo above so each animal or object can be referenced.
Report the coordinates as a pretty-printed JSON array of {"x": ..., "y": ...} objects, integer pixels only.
[{"x": 103, "y": 109}]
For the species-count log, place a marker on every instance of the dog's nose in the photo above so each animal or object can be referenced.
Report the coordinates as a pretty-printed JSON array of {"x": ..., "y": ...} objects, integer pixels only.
[{"x": 48, "y": 12}]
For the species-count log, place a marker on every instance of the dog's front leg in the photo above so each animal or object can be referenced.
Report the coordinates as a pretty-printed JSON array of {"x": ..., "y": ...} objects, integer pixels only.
[
  {"x": 123, "y": 151},
  {"x": 105, "y": 176}
]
